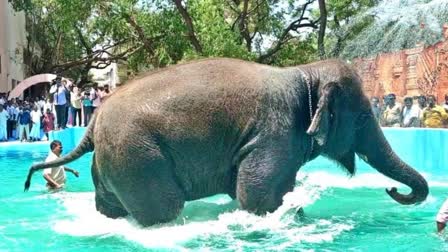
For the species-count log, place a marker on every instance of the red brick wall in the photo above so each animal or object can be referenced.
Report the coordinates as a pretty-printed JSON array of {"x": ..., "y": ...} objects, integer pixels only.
[{"x": 399, "y": 72}]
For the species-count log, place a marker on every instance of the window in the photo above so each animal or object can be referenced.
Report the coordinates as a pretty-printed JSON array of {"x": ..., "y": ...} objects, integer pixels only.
[{"x": 13, "y": 83}]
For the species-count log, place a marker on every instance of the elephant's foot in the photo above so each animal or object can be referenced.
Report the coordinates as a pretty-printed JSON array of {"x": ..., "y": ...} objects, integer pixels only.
[
  {"x": 300, "y": 214},
  {"x": 111, "y": 210},
  {"x": 260, "y": 206}
]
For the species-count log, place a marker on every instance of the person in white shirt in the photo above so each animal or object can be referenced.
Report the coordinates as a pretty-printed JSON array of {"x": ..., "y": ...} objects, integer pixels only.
[
  {"x": 12, "y": 120},
  {"x": 55, "y": 176},
  {"x": 3, "y": 122},
  {"x": 35, "y": 119},
  {"x": 95, "y": 97},
  {"x": 442, "y": 217},
  {"x": 410, "y": 114}
]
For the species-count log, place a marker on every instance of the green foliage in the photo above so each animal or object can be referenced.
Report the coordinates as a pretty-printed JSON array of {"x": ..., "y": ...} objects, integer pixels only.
[
  {"x": 146, "y": 34},
  {"x": 297, "y": 52},
  {"x": 346, "y": 21}
]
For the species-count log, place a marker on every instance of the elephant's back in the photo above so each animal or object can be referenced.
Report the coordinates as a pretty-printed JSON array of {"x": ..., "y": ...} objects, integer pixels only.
[{"x": 189, "y": 98}]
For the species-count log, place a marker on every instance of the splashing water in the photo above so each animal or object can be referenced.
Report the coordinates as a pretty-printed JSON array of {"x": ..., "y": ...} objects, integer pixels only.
[
  {"x": 232, "y": 225},
  {"x": 397, "y": 25}
]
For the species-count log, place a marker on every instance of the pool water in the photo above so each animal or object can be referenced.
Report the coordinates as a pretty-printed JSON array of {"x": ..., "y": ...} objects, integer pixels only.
[{"x": 341, "y": 214}]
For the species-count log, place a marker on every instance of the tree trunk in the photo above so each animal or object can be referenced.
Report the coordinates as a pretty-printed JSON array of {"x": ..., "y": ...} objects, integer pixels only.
[
  {"x": 322, "y": 27},
  {"x": 189, "y": 23}
]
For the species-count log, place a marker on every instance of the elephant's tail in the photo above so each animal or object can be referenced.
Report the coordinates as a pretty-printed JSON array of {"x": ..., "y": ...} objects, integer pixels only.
[{"x": 86, "y": 145}]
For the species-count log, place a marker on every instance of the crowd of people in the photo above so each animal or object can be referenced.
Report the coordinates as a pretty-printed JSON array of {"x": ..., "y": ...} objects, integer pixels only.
[
  {"x": 65, "y": 105},
  {"x": 417, "y": 111}
]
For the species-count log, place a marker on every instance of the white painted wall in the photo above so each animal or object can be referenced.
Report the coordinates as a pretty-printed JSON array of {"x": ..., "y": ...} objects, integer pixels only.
[
  {"x": 12, "y": 42},
  {"x": 107, "y": 76}
]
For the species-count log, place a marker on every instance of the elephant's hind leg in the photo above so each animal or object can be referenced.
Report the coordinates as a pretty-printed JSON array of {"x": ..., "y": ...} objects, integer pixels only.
[
  {"x": 152, "y": 195},
  {"x": 105, "y": 201}
]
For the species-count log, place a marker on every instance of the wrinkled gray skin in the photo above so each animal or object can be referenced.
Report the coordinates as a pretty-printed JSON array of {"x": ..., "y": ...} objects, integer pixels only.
[{"x": 229, "y": 126}]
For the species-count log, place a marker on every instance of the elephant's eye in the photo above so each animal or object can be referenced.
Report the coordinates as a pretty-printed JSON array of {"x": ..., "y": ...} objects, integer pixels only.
[{"x": 362, "y": 119}]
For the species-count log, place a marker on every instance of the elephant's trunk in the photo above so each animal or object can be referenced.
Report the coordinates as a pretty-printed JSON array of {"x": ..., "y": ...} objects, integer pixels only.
[{"x": 373, "y": 147}]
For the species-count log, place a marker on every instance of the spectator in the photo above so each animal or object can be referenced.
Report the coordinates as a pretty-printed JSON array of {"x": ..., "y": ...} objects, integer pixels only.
[
  {"x": 375, "y": 103},
  {"x": 3, "y": 122},
  {"x": 87, "y": 107},
  {"x": 48, "y": 105},
  {"x": 35, "y": 119},
  {"x": 392, "y": 114},
  {"x": 95, "y": 97},
  {"x": 106, "y": 90},
  {"x": 75, "y": 96},
  {"x": 68, "y": 105},
  {"x": 434, "y": 116},
  {"x": 410, "y": 114},
  {"x": 12, "y": 121},
  {"x": 55, "y": 176},
  {"x": 421, "y": 103},
  {"x": 24, "y": 119},
  {"x": 48, "y": 122},
  {"x": 60, "y": 102},
  {"x": 445, "y": 104},
  {"x": 2, "y": 100}
]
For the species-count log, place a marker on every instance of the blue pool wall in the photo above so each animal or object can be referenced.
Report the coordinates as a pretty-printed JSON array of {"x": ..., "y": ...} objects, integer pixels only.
[
  {"x": 70, "y": 137},
  {"x": 423, "y": 149}
]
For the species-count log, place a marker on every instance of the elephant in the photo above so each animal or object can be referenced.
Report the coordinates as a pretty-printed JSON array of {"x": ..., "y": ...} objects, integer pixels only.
[{"x": 228, "y": 126}]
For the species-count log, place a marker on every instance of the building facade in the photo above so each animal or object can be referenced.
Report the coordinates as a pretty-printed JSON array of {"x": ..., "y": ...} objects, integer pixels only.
[
  {"x": 411, "y": 72},
  {"x": 12, "y": 42},
  {"x": 107, "y": 76}
]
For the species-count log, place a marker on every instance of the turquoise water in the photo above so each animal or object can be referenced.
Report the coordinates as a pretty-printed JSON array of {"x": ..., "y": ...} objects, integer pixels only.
[{"x": 341, "y": 214}]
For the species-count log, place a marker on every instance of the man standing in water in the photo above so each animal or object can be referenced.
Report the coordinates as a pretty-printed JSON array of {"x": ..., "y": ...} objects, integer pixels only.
[
  {"x": 442, "y": 217},
  {"x": 55, "y": 176}
]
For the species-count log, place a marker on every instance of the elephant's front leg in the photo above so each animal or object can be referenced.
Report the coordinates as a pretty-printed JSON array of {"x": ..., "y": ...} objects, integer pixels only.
[{"x": 264, "y": 177}]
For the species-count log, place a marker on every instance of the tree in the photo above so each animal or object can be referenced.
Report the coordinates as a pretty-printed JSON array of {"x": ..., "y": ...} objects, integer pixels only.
[
  {"x": 147, "y": 34},
  {"x": 68, "y": 43},
  {"x": 347, "y": 19}
]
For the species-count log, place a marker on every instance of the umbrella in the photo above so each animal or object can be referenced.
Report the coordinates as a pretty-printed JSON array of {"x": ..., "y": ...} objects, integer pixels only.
[{"x": 28, "y": 82}]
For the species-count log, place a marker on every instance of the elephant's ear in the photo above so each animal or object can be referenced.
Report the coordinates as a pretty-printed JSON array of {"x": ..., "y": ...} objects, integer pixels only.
[{"x": 320, "y": 125}]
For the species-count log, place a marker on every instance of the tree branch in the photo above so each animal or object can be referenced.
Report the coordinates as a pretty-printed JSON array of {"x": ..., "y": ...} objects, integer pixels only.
[
  {"x": 285, "y": 36},
  {"x": 97, "y": 56},
  {"x": 189, "y": 23},
  {"x": 322, "y": 27},
  {"x": 243, "y": 26}
]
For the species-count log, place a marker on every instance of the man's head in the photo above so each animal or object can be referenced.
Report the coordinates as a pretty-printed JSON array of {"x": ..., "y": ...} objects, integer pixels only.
[
  {"x": 375, "y": 101},
  {"x": 391, "y": 99},
  {"x": 56, "y": 147},
  {"x": 408, "y": 102},
  {"x": 431, "y": 100},
  {"x": 422, "y": 101},
  {"x": 48, "y": 111}
]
